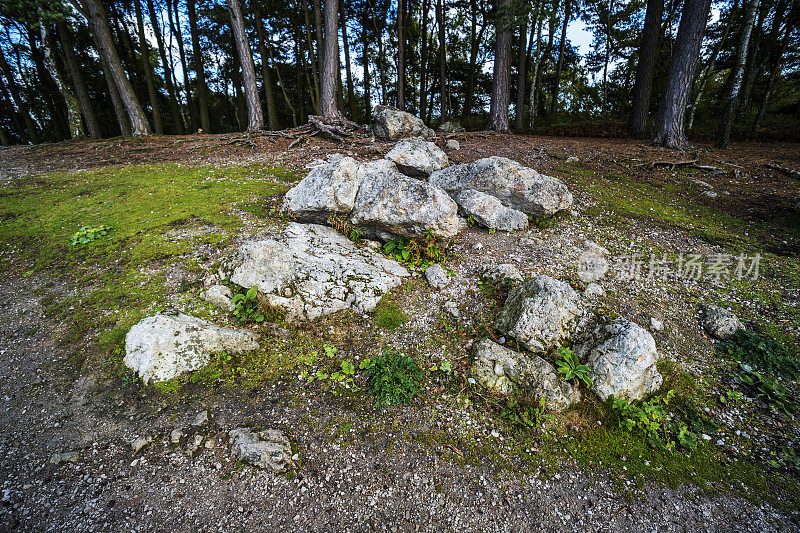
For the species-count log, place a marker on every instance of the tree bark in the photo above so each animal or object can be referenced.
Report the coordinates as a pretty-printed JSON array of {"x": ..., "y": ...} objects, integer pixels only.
[
  {"x": 87, "y": 110},
  {"x": 775, "y": 67},
  {"x": 73, "y": 107},
  {"x": 440, "y": 17},
  {"x": 199, "y": 68},
  {"x": 312, "y": 57},
  {"x": 330, "y": 63},
  {"x": 22, "y": 105},
  {"x": 522, "y": 75},
  {"x": 560, "y": 63},
  {"x": 533, "y": 112},
  {"x": 423, "y": 75},
  {"x": 351, "y": 101},
  {"x": 726, "y": 124},
  {"x": 367, "y": 81},
  {"x": 176, "y": 29},
  {"x": 669, "y": 125},
  {"x": 401, "y": 56},
  {"x": 255, "y": 117},
  {"x": 473, "y": 58},
  {"x": 177, "y": 118},
  {"x": 98, "y": 23},
  {"x": 269, "y": 96},
  {"x": 643, "y": 86},
  {"x": 148, "y": 70},
  {"x": 498, "y": 107}
]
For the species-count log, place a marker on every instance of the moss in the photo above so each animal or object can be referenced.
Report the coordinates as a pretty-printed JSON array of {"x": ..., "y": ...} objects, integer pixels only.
[{"x": 388, "y": 315}]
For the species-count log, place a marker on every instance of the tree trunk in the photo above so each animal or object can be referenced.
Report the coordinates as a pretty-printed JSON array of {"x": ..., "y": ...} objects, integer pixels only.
[
  {"x": 124, "y": 122},
  {"x": 423, "y": 75},
  {"x": 669, "y": 131},
  {"x": 775, "y": 68},
  {"x": 498, "y": 107},
  {"x": 87, "y": 110},
  {"x": 98, "y": 23},
  {"x": 753, "y": 65},
  {"x": 522, "y": 75},
  {"x": 283, "y": 87},
  {"x": 560, "y": 63},
  {"x": 48, "y": 85},
  {"x": 473, "y": 58},
  {"x": 148, "y": 70},
  {"x": 199, "y": 68},
  {"x": 367, "y": 83},
  {"x": 401, "y": 56},
  {"x": 269, "y": 96},
  {"x": 330, "y": 63},
  {"x": 643, "y": 85},
  {"x": 73, "y": 107},
  {"x": 312, "y": 57},
  {"x": 22, "y": 105},
  {"x": 440, "y": 18},
  {"x": 533, "y": 112},
  {"x": 351, "y": 101},
  {"x": 255, "y": 117},
  {"x": 176, "y": 29},
  {"x": 177, "y": 118},
  {"x": 726, "y": 124}
]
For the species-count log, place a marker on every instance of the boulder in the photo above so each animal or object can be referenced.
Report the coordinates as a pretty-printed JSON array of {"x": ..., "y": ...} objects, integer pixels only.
[
  {"x": 490, "y": 212},
  {"x": 392, "y": 124},
  {"x": 309, "y": 271},
  {"x": 330, "y": 188},
  {"x": 527, "y": 378},
  {"x": 218, "y": 295},
  {"x": 500, "y": 273},
  {"x": 389, "y": 202},
  {"x": 417, "y": 157},
  {"x": 437, "y": 277},
  {"x": 163, "y": 346},
  {"x": 541, "y": 313},
  {"x": 516, "y": 186},
  {"x": 450, "y": 126},
  {"x": 453, "y": 145},
  {"x": 268, "y": 449},
  {"x": 592, "y": 262},
  {"x": 621, "y": 357},
  {"x": 719, "y": 322}
]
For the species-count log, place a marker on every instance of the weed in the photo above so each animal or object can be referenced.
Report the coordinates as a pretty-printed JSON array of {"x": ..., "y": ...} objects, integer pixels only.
[
  {"x": 571, "y": 368},
  {"x": 247, "y": 307},
  {"x": 417, "y": 253},
  {"x": 345, "y": 228},
  {"x": 762, "y": 352},
  {"x": 651, "y": 420},
  {"x": 393, "y": 378},
  {"x": 524, "y": 415},
  {"x": 769, "y": 389},
  {"x": 88, "y": 234}
]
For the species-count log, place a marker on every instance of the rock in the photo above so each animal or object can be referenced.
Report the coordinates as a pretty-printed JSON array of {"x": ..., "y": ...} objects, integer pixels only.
[
  {"x": 592, "y": 262},
  {"x": 392, "y": 124},
  {"x": 718, "y": 322},
  {"x": 488, "y": 211},
  {"x": 163, "y": 346},
  {"x": 177, "y": 436},
  {"x": 516, "y": 186},
  {"x": 437, "y": 277},
  {"x": 202, "y": 422},
  {"x": 477, "y": 246},
  {"x": 501, "y": 273},
  {"x": 621, "y": 357},
  {"x": 593, "y": 290},
  {"x": 450, "y": 126},
  {"x": 391, "y": 202},
  {"x": 417, "y": 157},
  {"x": 64, "y": 457},
  {"x": 329, "y": 189},
  {"x": 656, "y": 325},
  {"x": 309, "y": 271},
  {"x": 527, "y": 379},
  {"x": 451, "y": 307},
  {"x": 140, "y": 443},
  {"x": 218, "y": 295},
  {"x": 452, "y": 145},
  {"x": 541, "y": 313},
  {"x": 572, "y": 159},
  {"x": 269, "y": 449}
]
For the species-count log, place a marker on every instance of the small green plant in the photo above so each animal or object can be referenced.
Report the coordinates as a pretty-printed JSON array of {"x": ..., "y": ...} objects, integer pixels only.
[
  {"x": 393, "y": 378},
  {"x": 88, "y": 234},
  {"x": 417, "y": 253},
  {"x": 524, "y": 415},
  {"x": 762, "y": 352},
  {"x": 389, "y": 316},
  {"x": 246, "y": 307},
  {"x": 471, "y": 221},
  {"x": 785, "y": 457},
  {"x": 769, "y": 389},
  {"x": 651, "y": 420},
  {"x": 571, "y": 368},
  {"x": 545, "y": 222}
]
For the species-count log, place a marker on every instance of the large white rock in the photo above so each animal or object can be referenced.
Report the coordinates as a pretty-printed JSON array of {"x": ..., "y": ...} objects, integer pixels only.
[
  {"x": 330, "y": 188},
  {"x": 417, "y": 157},
  {"x": 393, "y": 203},
  {"x": 490, "y": 212},
  {"x": 541, "y": 313},
  {"x": 310, "y": 271},
  {"x": 268, "y": 449},
  {"x": 719, "y": 322},
  {"x": 527, "y": 378},
  {"x": 516, "y": 186},
  {"x": 622, "y": 359},
  {"x": 392, "y": 124},
  {"x": 165, "y": 345}
]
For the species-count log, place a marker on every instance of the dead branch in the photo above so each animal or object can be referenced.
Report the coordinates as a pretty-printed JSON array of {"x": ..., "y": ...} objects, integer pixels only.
[{"x": 788, "y": 171}]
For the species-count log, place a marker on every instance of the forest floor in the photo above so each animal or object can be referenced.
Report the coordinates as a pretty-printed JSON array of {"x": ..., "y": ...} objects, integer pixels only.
[{"x": 451, "y": 460}]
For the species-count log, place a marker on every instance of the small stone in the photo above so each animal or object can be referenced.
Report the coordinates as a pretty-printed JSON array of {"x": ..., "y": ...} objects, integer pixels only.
[
  {"x": 417, "y": 157},
  {"x": 593, "y": 262},
  {"x": 452, "y": 145},
  {"x": 572, "y": 159},
  {"x": 502, "y": 273},
  {"x": 477, "y": 246},
  {"x": 201, "y": 419},
  {"x": 593, "y": 290},
  {"x": 65, "y": 457},
  {"x": 140, "y": 443},
  {"x": 268, "y": 449},
  {"x": 437, "y": 276},
  {"x": 219, "y": 295},
  {"x": 176, "y": 437},
  {"x": 718, "y": 322},
  {"x": 656, "y": 325},
  {"x": 452, "y": 308},
  {"x": 720, "y": 442}
]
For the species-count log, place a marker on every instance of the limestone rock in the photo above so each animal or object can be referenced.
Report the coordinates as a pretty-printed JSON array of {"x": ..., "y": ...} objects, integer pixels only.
[
  {"x": 593, "y": 290},
  {"x": 450, "y": 126},
  {"x": 490, "y": 212},
  {"x": 452, "y": 145},
  {"x": 329, "y": 188},
  {"x": 500, "y": 273},
  {"x": 516, "y": 186},
  {"x": 140, "y": 443},
  {"x": 392, "y": 124},
  {"x": 269, "y": 449},
  {"x": 310, "y": 271},
  {"x": 417, "y": 157},
  {"x": 541, "y": 313},
  {"x": 621, "y": 357},
  {"x": 437, "y": 276},
  {"x": 489, "y": 366},
  {"x": 219, "y": 295},
  {"x": 718, "y": 322},
  {"x": 592, "y": 262},
  {"x": 64, "y": 457},
  {"x": 395, "y": 204},
  {"x": 163, "y": 346}
]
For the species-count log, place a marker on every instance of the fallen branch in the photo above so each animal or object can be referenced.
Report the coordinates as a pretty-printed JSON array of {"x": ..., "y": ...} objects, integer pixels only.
[{"x": 788, "y": 171}]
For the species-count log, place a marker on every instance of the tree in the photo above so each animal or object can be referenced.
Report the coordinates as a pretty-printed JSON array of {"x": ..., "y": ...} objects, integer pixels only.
[
  {"x": 87, "y": 109},
  {"x": 522, "y": 76},
  {"x": 147, "y": 65},
  {"x": 560, "y": 63},
  {"x": 269, "y": 97},
  {"x": 73, "y": 107},
  {"x": 255, "y": 117},
  {"x": 643, "y": 85},
  {"x": 199, "y": 69},
  {"x": 669, "y": 125},
  {"x": 401, "y": 56},
  {"x": 177, "y": 118},
  {"x": 440, "y": 21},
  {"x": 725, "y": 125},
  {"x": 498, "y": 107},
  {"x": 330, "y": 63}
]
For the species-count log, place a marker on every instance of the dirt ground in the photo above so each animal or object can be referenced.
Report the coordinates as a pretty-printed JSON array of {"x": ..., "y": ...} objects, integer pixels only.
[{"x": 356, "y": 470}]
